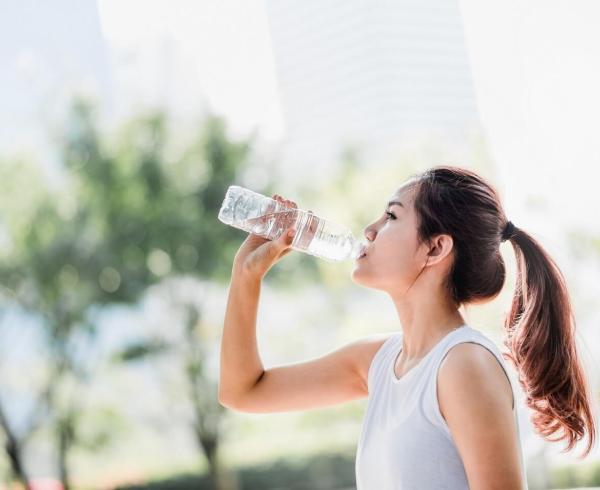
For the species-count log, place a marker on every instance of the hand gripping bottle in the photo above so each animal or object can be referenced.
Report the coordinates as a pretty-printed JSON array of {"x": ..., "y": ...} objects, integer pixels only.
[{"x": 267, "y": 217}]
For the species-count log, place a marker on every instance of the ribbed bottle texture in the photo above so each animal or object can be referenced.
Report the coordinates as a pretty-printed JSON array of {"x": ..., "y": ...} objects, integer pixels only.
[{"x": 267, "y": 217}]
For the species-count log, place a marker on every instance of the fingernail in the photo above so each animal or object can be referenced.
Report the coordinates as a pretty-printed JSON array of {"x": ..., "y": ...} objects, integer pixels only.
[{"x": 291, "y": 233}]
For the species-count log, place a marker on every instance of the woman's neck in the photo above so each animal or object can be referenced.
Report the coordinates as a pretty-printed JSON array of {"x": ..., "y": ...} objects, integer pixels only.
[{"x": 425, "y": 321}]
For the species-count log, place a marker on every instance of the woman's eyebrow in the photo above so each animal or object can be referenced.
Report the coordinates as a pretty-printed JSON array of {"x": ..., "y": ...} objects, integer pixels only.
[{"x": 391, "y": 203}]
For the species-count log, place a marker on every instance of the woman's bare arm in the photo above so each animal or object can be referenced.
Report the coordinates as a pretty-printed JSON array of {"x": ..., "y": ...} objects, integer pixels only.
[
  {"x": 240, "y": 365},
  {"x": 476, "y": 400},
  {"x": 336, "y": 377}
]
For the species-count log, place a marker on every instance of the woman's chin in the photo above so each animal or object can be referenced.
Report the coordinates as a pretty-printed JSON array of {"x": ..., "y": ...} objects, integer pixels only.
[{"x": 358, "y": 275}]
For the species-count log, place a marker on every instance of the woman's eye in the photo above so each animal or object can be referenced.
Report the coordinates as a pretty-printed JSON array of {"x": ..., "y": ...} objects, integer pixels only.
[{"x": 390, "y": 215}]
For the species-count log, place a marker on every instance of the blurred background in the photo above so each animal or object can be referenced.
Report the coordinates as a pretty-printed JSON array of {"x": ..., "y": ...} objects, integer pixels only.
[{"x": 124, "y": 122}]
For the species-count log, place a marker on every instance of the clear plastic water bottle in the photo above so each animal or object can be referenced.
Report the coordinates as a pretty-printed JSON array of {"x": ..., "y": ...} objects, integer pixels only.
[{"x": 269, "y": 218}]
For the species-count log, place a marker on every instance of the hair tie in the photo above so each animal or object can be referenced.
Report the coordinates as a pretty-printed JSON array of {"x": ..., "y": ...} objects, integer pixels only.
[{"x": 508, "y": 232}]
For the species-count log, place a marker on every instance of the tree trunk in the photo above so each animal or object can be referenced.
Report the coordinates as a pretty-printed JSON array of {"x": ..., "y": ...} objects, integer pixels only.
[
  {"x": 13, "y": 451},
  {"x": 64, "y": 443},
  {"x": 221, "y": 478},
  {"x": 207, "y": 411}
]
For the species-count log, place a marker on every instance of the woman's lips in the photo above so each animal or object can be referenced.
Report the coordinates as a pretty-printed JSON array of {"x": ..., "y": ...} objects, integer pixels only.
[{"x": 363, "y": 252}]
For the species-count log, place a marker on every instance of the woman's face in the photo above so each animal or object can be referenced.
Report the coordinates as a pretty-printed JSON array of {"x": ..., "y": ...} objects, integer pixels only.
[{"x": 393, "y": 258}]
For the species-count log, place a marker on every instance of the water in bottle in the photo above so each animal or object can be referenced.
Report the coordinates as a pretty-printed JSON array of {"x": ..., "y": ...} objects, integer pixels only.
[{"x": 269, "y": 218}]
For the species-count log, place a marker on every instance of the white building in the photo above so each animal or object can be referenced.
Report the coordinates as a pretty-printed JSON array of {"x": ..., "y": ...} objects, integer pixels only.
[{"x": 370, "y": 73}]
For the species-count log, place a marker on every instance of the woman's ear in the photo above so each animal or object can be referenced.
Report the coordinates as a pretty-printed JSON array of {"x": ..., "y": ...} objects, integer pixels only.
[{"x": 441, "y": 247}]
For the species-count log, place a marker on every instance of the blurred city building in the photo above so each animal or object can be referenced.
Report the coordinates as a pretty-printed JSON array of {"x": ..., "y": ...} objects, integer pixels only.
[{"x": 368, "y": 73}]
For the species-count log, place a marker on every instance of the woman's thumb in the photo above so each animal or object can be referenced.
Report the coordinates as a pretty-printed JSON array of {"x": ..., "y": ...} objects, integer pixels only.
[
  {"x": 286, "y": 239},
  {"x": 280, "y": 246},
  {"x": 289, "y": 236}
]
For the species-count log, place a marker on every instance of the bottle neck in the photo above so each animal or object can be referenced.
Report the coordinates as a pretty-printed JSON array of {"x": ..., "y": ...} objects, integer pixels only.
[{"x": 357, "y": 246}]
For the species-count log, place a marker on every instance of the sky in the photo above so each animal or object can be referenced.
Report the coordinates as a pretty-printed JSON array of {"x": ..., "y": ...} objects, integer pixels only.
[
  {"x": 536, "y": 69},
  {"x": 226, "y": 43}
]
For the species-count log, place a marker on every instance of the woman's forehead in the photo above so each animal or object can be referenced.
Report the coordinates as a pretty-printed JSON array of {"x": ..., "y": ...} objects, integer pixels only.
[{"x": 404, "y": 194}]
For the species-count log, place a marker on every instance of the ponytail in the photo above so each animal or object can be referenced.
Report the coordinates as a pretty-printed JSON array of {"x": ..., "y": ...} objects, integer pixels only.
[{"x": 540, "y": 330}]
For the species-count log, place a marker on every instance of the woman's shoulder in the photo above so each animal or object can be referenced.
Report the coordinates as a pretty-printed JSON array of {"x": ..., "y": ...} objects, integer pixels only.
[{"x": 475, "y": 354}]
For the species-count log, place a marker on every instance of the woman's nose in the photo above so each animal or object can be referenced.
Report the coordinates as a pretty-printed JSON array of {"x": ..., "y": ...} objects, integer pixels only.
[{"x": 370, "y": 234}]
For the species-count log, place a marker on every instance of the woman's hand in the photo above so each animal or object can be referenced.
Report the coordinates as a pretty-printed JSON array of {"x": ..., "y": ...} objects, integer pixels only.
[{"x": 257, "y": 255}]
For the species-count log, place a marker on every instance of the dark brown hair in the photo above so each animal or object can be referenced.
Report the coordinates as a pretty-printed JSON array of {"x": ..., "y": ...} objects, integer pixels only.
[{"x": 540, "y": 326}]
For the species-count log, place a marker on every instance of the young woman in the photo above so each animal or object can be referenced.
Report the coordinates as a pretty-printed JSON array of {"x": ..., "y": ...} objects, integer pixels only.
[{"x": 441, "y": 411}]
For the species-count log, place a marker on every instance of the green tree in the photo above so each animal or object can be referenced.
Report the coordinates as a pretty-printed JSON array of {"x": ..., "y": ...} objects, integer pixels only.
[{"x": 157, "y": 219}]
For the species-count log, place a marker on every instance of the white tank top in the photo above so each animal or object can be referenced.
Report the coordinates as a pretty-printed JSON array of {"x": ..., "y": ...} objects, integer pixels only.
[{"x": 405, "y": 443}]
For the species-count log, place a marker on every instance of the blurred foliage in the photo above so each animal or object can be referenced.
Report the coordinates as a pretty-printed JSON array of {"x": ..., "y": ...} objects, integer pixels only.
[
  {"x": 316, "y": 472},
  {"x": 141, "y": 350},
  {"x": 127, "y": 214},
  {"x": 582, "y": 476},
  {"x": 155, "y": 217}
]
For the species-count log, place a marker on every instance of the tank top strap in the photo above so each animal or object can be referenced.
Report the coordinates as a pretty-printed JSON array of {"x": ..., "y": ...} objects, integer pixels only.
[
  {"x": 382, "y": 358},
  {"x": 462, "y": 335}
]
